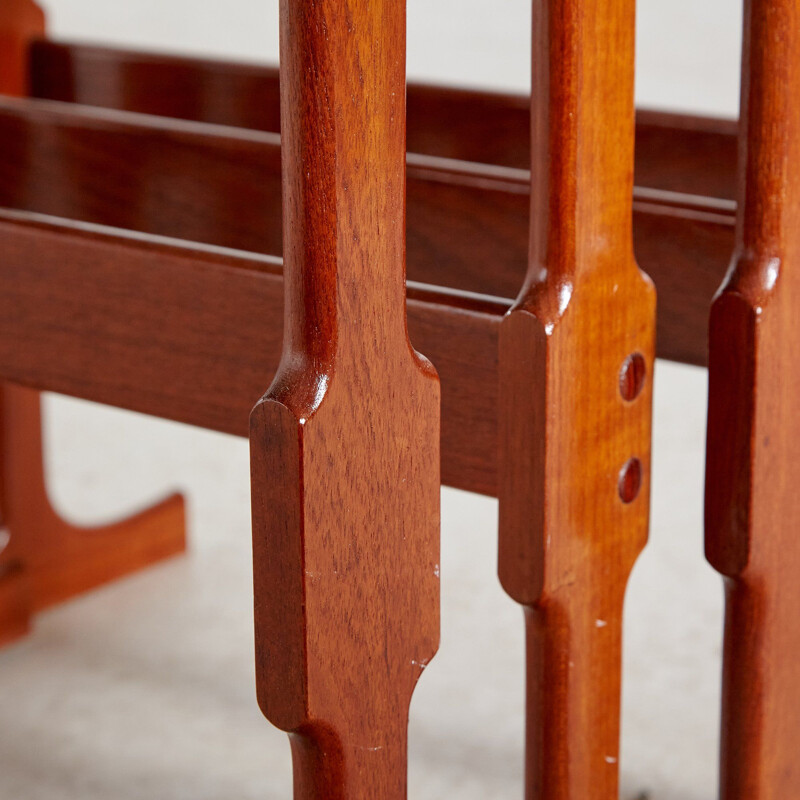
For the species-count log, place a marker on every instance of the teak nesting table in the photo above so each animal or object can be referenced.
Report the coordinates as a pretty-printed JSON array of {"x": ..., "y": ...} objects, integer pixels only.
[{"x": 164, "y": 250}]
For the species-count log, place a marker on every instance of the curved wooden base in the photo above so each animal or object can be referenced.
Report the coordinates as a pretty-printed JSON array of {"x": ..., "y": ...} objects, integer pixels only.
[{"x": 48, "y": 560}]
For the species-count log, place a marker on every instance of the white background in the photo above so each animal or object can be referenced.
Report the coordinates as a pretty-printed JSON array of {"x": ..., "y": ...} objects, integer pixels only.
[{"x": 687, "y": 58}]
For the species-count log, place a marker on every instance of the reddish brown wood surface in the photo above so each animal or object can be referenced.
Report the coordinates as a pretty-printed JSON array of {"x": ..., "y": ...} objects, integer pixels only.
[
  {"x": 132, "y": 346},
  {"x": 467, "y": 230},
  {"x": 576, "y": 362},
  {"x": 60, "y": 560},
  {"x": 455, "y": 230},
  {"x": 752, "y": 502},
  {"x": 345, "y": 444},
  {"x": 143, "y": 173},
  {"x": 51, "y": 326},
  {"x": 20, "y": 22},
  {"x": 674, "y": 152},
  {"x": 47, "y": 559},
  {"x": 687, "y": 154},
  {"x": 467, "y": 223}
]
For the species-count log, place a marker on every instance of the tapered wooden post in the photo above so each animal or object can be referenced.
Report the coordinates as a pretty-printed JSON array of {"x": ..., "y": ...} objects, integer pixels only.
[
  {"x": 753, "y": 461},
  {"x": 345, "y": 445},
  {"x": 576, "y": 366}
]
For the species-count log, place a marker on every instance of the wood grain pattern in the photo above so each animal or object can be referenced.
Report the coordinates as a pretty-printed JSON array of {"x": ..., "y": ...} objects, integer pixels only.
[
  {"x": 46, "y": 559},
  {"x": 574, "y": 454},
  {"x": 467, "y": 223},
  {"x": 752, "y": 503},
  {"x": 20, "y": 22},
  {"x": 460, "y": 221},
  {"x": 55, "y": 335},
  {"x": 686, "y": 154},
  {"x": 47, "y": 264},
  {"x": 674, "y": 152},
  {"x": 345, "y": 443},
  {"x": 454, "y": 229},
  {"x": 60, "y": 560},
  {"x": 683, "y": 243}
]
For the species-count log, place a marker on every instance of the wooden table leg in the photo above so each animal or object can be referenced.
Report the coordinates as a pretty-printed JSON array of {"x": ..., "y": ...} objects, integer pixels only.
[
  {"x": 576, "y": 369},
  {"x": 46, "y": 559},
  {"x": 345, "y": 444},
  {"x": 57, "y": 559},
  {"x": 753, "y": 459},
  {"x": 20, "y": 21}
]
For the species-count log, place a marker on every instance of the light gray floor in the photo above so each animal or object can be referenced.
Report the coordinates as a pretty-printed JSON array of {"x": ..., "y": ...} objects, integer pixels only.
[{"x": 145, "y": 689}]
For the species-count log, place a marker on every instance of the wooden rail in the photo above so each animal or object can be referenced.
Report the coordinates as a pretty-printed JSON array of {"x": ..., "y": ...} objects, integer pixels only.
[
  {"x": 46, "y": 559},
  {"x": 467, "y": 223},
  {"x": 129, "y": 345},
  {"x": 674, "y": 152}
]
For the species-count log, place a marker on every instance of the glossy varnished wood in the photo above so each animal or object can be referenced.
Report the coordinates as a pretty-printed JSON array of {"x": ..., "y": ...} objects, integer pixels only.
[
  {"x": 47, "y": 559},
  {"x": 683, "y": 244},
  {"x": 674, "y": 152},
  {"x": 576, "y": 366},
  {"x": 686, "y": 154},
  {"x": 20, "y": 22},
  {"x": 204, "y": 184},
  {"x": 345, "y": 444},
  {"x": 467, "y": 223},
  {"x": 752, "y": 502},
  {"x": 59, "y": 560},
  {"x": 55, "y": 335}
]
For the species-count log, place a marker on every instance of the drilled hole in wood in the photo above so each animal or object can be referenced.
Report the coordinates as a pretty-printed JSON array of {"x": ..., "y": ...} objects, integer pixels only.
[
  {"x": 630, "y": 480},
  {"x": 632, "y": 376}
]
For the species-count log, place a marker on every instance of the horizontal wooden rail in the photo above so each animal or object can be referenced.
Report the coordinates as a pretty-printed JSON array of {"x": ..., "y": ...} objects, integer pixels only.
[
  {"x": 467, "y": 223},
  {"x": 102, "y": 315},
  {"x": 673, "y": 152}
]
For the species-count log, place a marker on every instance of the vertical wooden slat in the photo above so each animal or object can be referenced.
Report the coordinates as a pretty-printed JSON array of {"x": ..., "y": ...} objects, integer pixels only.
[
  {"x": 753, "y": 458},
  {"x": 345, "y": 444},
  {"x": 20, "y": 22},
  {"x": 576, "y": 366}
]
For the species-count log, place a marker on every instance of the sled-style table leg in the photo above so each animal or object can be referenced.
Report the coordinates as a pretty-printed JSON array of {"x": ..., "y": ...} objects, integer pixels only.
[{"x": 45, "y": 559}]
